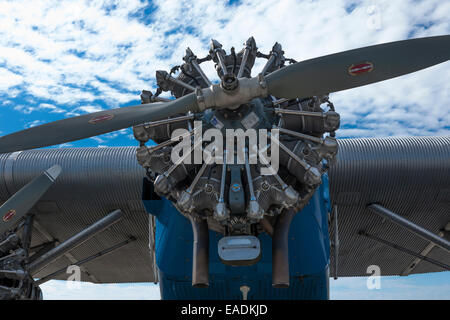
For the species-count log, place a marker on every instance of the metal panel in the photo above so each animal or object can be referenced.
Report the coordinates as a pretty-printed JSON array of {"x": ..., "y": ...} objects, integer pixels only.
[
  {"x": 409, "y": 176},
  {"x": 94, "y": 181}
]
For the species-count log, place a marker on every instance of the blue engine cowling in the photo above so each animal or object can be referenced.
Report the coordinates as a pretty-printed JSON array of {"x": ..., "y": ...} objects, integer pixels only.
[{"x": 309, "y": 252}]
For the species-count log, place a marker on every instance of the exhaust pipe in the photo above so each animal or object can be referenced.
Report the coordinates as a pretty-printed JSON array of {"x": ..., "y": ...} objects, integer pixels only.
[
  {"x": 200, "y": 257},
  {"x": 280, "y": 250}
]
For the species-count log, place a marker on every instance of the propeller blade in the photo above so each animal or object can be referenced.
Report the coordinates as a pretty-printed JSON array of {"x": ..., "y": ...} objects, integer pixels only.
[
  {"x": 359, "y": 67},
  {"x": 94, "y": 124},
  {"x": 23, "y": 200}
]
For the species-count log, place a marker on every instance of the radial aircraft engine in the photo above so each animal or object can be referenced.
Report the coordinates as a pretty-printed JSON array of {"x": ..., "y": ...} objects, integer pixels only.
[
  {"x": 240, "y": 166},
  {"x": 242, "y": 155}
]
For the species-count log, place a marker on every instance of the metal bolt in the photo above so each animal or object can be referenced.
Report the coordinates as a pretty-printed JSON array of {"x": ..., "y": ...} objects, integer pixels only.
[{"x": 244, "y": 290}]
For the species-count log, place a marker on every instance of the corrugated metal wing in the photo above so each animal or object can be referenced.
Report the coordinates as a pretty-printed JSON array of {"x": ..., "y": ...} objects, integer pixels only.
[
  {"x": 409, "y": 176},
  {"x": 94, "y": 182}
]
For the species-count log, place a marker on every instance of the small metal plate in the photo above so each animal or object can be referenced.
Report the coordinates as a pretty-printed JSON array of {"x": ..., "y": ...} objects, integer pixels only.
[
  {"x": 250, "y": 120},
  {"x": 216, "y": 123},
  {"x": 239, "y": 250}
]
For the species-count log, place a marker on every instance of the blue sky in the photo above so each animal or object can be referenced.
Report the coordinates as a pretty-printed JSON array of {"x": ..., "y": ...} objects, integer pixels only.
[
  {"x": 64, "y": 58},
  {"x": 434, "y": 286}
]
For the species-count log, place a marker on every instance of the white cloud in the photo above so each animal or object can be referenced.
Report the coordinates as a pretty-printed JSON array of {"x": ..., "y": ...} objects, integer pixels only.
[
  {"x": 51, "y": 108},
  {"x": 90, "y": 109},
  {"x": 83, "y": 109},
  {"x": 46, "y": 107},
  {"x": 64, "y": 145},
  {"x": 9, "y": 79},
  {"x": 33, "y": 123},
  {"x": 25, "y": 109},
  {"x": 118, "y": 55},
  {"x": 102, "y": 139}
]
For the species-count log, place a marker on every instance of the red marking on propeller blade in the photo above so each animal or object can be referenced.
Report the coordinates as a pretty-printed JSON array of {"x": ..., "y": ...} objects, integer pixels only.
[
  {"x": 8, "y": 216},
  {"x": 103, "y": 117},
  {"x": 357, "y": 69}
]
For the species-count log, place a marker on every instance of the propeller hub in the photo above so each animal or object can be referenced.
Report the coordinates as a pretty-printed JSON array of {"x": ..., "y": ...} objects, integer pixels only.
[{"x": 229, "y": 82}]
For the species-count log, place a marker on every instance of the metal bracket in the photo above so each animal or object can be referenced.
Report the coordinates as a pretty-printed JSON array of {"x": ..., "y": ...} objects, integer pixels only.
[
  {"x": 410, "y": 226},
  {"x": 200, "y": 99},
  {"x": 405, "y": 250}
]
